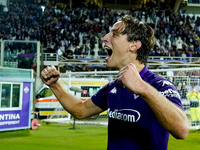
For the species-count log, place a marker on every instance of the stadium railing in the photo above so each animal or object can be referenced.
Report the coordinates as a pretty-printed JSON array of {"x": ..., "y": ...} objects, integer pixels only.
[{"x": 153, "y": 61}]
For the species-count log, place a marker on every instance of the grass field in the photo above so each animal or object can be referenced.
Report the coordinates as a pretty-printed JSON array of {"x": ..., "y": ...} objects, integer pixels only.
[{"x": 60, "y": 137}]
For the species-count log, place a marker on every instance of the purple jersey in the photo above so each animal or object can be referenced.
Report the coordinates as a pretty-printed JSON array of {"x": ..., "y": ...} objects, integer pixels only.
[{"x": 132, "y": 124}]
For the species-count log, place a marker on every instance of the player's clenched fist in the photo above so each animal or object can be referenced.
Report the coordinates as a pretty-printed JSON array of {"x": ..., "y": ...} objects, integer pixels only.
[
  {"x": 50, "y": 75},
  {"x": 130, "y": 78}
]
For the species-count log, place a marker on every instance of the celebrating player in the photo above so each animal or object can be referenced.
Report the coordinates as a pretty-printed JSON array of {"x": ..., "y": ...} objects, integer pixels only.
[{"x": 143, "y": 108}]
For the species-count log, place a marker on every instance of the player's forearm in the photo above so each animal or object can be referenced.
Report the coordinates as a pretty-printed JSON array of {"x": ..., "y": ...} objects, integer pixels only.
[
  {"x": 170, "y": 116},
  {"x": 69, "y": 102}
]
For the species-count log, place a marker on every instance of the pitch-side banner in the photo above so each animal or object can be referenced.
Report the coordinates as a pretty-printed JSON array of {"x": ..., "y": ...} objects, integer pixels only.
[{"x": 17, "y": 119}]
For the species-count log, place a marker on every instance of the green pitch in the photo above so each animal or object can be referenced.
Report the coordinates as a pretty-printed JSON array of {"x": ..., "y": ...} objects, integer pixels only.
[
  {"x": 55, "y": 137},
  {"x": 190, "y": 143},
  {"x": 60, "y": 137}
]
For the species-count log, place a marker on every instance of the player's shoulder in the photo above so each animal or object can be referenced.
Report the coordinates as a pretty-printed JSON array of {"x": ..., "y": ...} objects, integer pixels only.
[
  {"x": 113, "y": 82},
  {"x": 156, "y": 80},
  {"x": 110, "y": 84}
]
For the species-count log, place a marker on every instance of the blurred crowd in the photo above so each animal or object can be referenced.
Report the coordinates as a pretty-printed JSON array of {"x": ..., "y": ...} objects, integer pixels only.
[{"x": 78, "y": 31}]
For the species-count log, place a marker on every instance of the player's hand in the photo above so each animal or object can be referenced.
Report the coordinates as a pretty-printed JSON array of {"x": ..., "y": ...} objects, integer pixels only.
[
  {"x": 130, "y": 78},
  {"x": 50, "y": 75}
]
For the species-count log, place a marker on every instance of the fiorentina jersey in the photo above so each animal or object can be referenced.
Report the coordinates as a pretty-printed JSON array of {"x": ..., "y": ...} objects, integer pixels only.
[{"x": 132, "y": 124}]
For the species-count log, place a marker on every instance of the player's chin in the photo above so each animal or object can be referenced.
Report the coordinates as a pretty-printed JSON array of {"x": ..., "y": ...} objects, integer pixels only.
[
  {"x": 108, "y": 64},
  {"x": 112, "y": 66}
]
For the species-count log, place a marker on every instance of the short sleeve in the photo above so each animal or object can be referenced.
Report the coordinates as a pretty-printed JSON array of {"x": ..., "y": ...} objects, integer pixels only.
[
  {"x": 100, "y": 98},
  {"x": 167, "y": 89}
]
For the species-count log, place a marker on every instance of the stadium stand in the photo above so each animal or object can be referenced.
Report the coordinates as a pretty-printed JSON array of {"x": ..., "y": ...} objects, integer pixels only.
[{"x": 75, "y": 33}]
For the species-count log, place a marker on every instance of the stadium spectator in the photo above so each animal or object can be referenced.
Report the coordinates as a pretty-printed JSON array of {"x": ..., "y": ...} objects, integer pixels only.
[
  {"x": 183, "y": 55},
  {"x": 194, "y": 97},
  {"x": 92, "y": 53},
  {"x": 77, "y": 51},
  {"x": 68, "y": 53},
  {"x": 59, "y": 52}
]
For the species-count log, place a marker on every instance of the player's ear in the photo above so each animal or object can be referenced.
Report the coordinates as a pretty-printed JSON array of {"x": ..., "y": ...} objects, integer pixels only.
[{"x": 135, "y": 45}]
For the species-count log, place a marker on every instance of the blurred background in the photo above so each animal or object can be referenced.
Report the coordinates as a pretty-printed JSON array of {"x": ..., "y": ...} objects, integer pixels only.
[{"x": 68, "y": 33}]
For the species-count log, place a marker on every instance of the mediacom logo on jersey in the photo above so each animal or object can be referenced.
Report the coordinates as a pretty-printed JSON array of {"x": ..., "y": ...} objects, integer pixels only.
[{"x": 128, "y": 115}]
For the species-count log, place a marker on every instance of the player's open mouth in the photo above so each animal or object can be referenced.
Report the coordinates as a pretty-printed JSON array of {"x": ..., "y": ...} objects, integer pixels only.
[{"x": 109, "y": 51}]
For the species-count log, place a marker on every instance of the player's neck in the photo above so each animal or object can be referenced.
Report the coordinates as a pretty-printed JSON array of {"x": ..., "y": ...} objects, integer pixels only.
[{"x": 140, "y": 67}]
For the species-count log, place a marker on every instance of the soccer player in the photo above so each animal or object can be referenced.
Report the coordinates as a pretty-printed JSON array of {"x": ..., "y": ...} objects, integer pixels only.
[{"x": 143, "y": 108}]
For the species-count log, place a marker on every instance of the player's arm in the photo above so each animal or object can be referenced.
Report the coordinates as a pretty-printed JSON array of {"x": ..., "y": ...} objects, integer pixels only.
[
  {"x": 170, "y": 116},
  {"x": 78, "y": 108}
]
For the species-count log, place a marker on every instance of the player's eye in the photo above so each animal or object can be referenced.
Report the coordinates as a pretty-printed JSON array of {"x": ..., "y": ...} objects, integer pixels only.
[{"x": 114, "y": 34}]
